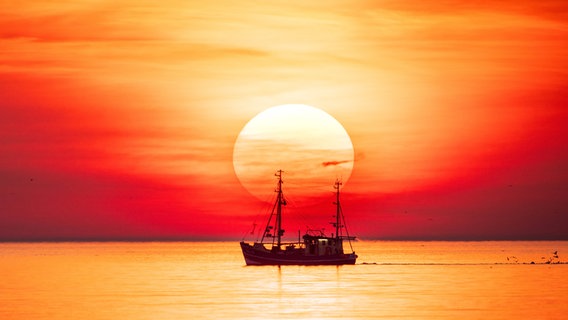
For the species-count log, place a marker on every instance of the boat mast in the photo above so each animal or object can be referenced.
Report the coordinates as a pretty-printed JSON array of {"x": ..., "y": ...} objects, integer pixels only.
[
  {"x": 338, "y": 211},
  {"x": 340, "y": 219},
  {"x": 279, "y": 208}
]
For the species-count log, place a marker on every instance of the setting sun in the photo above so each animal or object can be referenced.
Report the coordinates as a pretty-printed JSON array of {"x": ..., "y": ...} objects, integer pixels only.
[{"x": 307, "y": 143}]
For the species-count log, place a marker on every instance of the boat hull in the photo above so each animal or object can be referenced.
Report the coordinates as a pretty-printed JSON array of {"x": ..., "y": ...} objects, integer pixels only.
[{"x": 257, "y": 257}]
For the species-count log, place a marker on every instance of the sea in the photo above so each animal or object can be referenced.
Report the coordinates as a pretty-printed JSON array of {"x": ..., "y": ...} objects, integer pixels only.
[{"x": 209, "y": 280}]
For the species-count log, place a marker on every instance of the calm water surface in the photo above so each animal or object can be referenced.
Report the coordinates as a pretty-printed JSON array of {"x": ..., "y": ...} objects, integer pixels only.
[{"x": 189, "y": 280}]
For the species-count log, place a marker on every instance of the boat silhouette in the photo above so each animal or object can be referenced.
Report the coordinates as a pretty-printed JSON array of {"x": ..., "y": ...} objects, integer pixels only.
[{"x": 315, "y": 249}]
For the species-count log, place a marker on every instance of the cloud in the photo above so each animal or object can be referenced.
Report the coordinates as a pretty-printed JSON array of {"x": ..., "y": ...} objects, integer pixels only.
[{"x": 334, "y": 163}]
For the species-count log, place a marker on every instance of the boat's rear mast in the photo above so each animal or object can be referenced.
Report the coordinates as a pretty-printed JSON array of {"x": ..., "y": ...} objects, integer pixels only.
[
  {"x": 337, "y": 223},
  {"x": 339, "y": 218}
]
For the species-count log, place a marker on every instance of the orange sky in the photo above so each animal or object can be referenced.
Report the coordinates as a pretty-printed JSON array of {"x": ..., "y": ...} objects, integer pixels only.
[{"x": 118, "y": 118}]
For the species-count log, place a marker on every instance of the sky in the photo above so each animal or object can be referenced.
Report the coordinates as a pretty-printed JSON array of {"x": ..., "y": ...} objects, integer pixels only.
[{"x": 118, "y": 118}]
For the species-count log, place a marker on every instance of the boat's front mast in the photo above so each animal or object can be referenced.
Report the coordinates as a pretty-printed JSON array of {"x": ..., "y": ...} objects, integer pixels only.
[{"x": 279, "y": 209}]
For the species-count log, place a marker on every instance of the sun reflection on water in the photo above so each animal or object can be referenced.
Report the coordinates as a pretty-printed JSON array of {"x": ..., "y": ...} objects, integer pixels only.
[{"x": 432, "y": 280}]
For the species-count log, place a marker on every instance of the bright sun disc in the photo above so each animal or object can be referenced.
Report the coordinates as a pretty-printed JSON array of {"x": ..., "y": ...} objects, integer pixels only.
[{"x": 310, "y": 146}]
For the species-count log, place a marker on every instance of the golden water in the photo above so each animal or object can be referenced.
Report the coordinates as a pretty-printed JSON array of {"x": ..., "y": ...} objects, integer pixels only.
[{"x": 189, "y": 280}]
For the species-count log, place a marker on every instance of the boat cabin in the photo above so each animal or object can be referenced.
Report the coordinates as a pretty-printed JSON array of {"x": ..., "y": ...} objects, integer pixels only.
[{"x": 322, "y": 246}]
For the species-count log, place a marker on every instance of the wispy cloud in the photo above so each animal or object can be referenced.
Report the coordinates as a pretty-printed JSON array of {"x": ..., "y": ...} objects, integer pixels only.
[{"x": 334, "y": 163}]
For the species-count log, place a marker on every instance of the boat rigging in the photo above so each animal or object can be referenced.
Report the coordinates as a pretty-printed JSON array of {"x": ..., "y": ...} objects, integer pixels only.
[{"x": 316, "y": 248}]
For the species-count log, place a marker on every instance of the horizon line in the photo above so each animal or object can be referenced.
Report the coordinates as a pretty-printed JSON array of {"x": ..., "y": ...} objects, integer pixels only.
[{"x": 220, "y": 239}]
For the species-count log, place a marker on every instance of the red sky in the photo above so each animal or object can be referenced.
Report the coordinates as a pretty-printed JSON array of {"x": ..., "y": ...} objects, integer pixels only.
[{"x": 118, "y": 118}]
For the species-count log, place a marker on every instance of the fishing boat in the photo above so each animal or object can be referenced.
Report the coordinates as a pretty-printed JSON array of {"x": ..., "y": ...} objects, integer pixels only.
[{"x": 314, "y": 248}]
